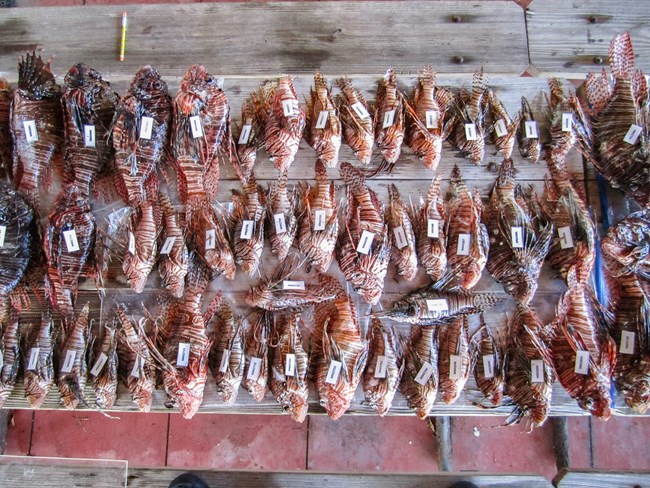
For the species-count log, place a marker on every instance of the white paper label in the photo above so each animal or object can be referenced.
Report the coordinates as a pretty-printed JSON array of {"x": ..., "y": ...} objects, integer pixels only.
[
  {"x": 168, "y": 245},
  {"x": 33, "y": 358},
  {"x": 564, "y": 233},
  {"x": 431, "y": 119},
  {"x": 333, "y": 372},
  {"x": 254, "y": 369},
  {"x": 531, "y": 129},
  {"x": 68, "y": 363},
  {"x": 89, "y": 136},
  {"x": 137, "y": 366},
  {"x": 293, "y": 285},
  {"x": 633, "y": 134},
  {"x": 433, "y": 228},
  {"x": 500, "y": 128},
  {"x": 247, "y": 229},
  {"x": 210, "y": 239},
  {"x": 455, "y": 366},
  {"x": 319, "y": 220},
  {"x": 183, "y": 356},
  {"x": 424, "y": 374},
  {"x": 323, "y": 117},
  {"x": 537, "y": 371},
  {"x": 381, "y": 367},
  {"x": 3, "y": 232},
  {"x": 567, "y": 122},
  {"x": 389, "y": 119},
  {"x": 225, "y": 361},
  {"x": 470, "y": 132},
  {"x": 196, "y": 126},
  {"x": 437, "y": 305},
  {"x": 2, "y": 360},
  {"x": 30, "y": 131},
  {"x": 70, "y": 238},
  {"x": 582, "y": 362},
  {"x": 280, "y": 224},
  {"x": 400, "y": 237},
  {"x": 146, "y": 127},
  {"x": 245, "y": 134},
  {"x": 99, "y": 364},
  {"x": 290, "y": 107},
  {"x": 488, "y": 366},
  {"x": 290, "y": 365},
  {"x": 627, "y": 342},
  {"x": 517, "y": 237},
  {"x": 360, "y": 110},
  {"x": 365, "y": 243},
  {"x": 132, "y": 243},
  {"x": 463, "y": 244}
]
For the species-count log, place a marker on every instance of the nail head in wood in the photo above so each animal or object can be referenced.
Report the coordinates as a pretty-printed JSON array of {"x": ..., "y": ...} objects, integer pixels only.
[
  {"x": 456, "y": 19},
  {"x": 459, "y": 59},
  {"x": 598, "y": 60}
]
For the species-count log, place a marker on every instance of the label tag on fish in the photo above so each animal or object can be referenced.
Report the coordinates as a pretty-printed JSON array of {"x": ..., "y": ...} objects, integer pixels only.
[
  {"x": 254, "y": 369},
  {"x": 290, "y": 365},
  {"x": 3, "y": 232},
  {"x": 183, "y": 356},
  {"x": 365, "y": 243},
  {"x": 33, "y": 358},
  {"x": 537, "y": 371},
  {"x": 225, "y": 361},
  {"x": 210, "y": 239},
  {"x": 470, "y": 132},
  {"x": 455, "y": 366},
  {"x": 168, "y": 245},
  {"x": 30, "y": 130},
  {"x": 245, "y": 134},
  {"x": 146, "y": 127},
  {"x": 517, "y": 237},
  {"x": 582, "y": 362},
  {"x": 293, "y": 285},
  {"x": 323, "y": 117},
  {"x": 360, "y": 110},
  {"x": 633, "y": 134},
  {"x": 70, "y": 238},
  {"x": 627, "y": 342},
  {"x": 319, "y": 219},
  {"x": 99, "y": 364},
  {"x": 500, "y": 128},
  {"x": 247, "y": 229},
  {"x": 464, "y": 241},
  {"x": 567, "y": 122},
  {"x": 424, "y": 374},
  {"x": 333, "y": 372},
  {"x": 531, "y": 130},
  {"x": 433, "y": 228},
  {"x": 2, "y": 360},
  {"x": 138, "y": 364},
  {"x": 381, "y": 367},
  {"x": 196, "y": 126},
  {"x": 400, "y": 237},
  {"x": 68, "y": 363},
  {"x": 437, "y": 305},
  {"x": 290, "y": 107},
  {"x": 488, "y": 366},
  {"x": 431, "y": 119},
  {"x": 564, "y": 233},
  {"x": 280, "y": 224},
  {"x": 132, "y": 243},
  {"x": 89, "y": 136},
  {"x": 389, "y": 119}
]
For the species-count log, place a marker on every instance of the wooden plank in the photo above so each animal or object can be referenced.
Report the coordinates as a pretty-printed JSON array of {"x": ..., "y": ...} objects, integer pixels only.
[
  {"x": 572, "y": 38},
  {"x": 247, "y": 38},
  {"x": 591, "y": 478}
]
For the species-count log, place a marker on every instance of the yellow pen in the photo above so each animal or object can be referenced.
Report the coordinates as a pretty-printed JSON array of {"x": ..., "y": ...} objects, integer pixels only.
[{"x": 123, "y": 42}]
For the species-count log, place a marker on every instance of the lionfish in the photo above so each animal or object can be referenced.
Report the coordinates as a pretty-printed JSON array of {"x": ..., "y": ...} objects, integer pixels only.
[
  {"x": 401, "y": 231},
  {"x": 469, "y": 120},
  {"x": 390, "y": 123},
  {"x": 256, "y": 355},
  {"x": 419, "y": 382},
  {"x": 141, "y": 253},
  {"x": 323, "y": 127},
  {"x": 38, "y": 361},
  {"x": 104, "y": 369},
  {"x": 563, "y": 111},
  {"x": 247, "y": 225},
  {"x": 282, "y": 218},
  {"x": 248, "y": 140},
  {"x": 10, "y": 348},
  {"x": 173, "y": 258},
  {"x": 528, "y": 137},
  {"x": 6, "y": 143},
  {"x": 454, "y": 358},
  {"x": 356, "y": 119},
  {"x": 503, "y": 129},
  {"x": 72, "y": 371},
  {"x": 488, "y": 359}
]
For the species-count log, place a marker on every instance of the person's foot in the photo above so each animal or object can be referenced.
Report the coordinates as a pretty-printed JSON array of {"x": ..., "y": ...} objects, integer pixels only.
[{"x": 188, "y": 480}]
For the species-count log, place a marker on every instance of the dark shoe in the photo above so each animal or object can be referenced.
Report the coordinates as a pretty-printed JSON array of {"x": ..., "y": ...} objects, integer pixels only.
[
  {"x": 188, "y": 480},
  {"x": 463, "y": 484}
]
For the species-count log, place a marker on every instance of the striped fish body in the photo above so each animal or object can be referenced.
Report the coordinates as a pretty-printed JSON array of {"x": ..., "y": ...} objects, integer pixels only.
[
  {"x": 389, "y": 119},
  {"x": 491, "y": 382},
  {"x": 105, "y": 380},
  {"x": 207, "y": 238},
  {"x": 256, "y": 355},
  {"x": 420, "y": 378},
  {"x": 249, "y": 208},
  {"x": 324, "y": 138},
  {"x": 72, "y": 372},
  {"x": 529, "y": 147},
  {"x": 401, "y": 231},
  {"x": 453, "y": 359},
  {"x": 38, "y": 378},
  {"x": 282, "y": 222},
  {"x": 6, "y": 142},
  {"x": 384, "y": 368},
  {"x": 140, "y": 256},
  {"x": 173, "y": 256},
  {"x": 504, "y": 143},
  {"x": 358, "y": 131},
  {"x": 227, "y": 354},
  {"x": 10, "y": 355},
  {"x": 247, "y": 151},
  {"x": 471, "y": 111}
]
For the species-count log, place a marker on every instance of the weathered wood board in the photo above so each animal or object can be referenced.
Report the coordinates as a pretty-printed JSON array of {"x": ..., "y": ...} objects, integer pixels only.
[{"x": 591, "y": 478}]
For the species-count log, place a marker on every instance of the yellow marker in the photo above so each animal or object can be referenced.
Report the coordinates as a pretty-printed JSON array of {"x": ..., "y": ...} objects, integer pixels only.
[{"x": 123, "y": 42}]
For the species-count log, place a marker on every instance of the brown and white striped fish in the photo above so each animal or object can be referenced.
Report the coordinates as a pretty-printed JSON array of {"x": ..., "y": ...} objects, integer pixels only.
[
  {"x": 502, "y": 131},
  {"x": 256, "y": 354},
  {"x": 420, "y": 377},
  {"x": 469, "y": 118},
  {"x": 103, "y": 369},
  {"x": 528, "y": 137},
  {"x": 173, "y": 258},
  {"x": 489, "y": 362},
  {"x": 6, "y": 142},
  {"x": 402, "y": 236},
  {"x": 389, "y": 120},
  {"x": 38, "y": 378},
  {"x": 282, "y": 221},
  {"x": 356, "y": 119},
  {"x": 454, "y": 359},
  {"x": 323, "y": 127},
  {"x": 10, "y": 346},
  {"x": 247, "y": 225},
  {"x": 72, "y": 369},
  {"x": 249, "y": 138},
  {"x": 141, "y": 252}
]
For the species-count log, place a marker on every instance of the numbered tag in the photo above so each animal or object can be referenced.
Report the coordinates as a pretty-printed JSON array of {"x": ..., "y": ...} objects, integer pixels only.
[
  {"x": 488, "y": 366},
  {"x": 210, "y": 239},
  {"x": 132, "y": 243},
  {"x": 70, "y": 238},
  {"x": 245, "y": 134},
  {"x": 146, "y": 127},
  {"x": 365, "y": 243},
  {"x": 400, "y": 237},
  {"x": 564, "y": 233},
  {"x": 31, "y": 135},
  {"x": 137, "y": 366},
  {"x": 470, "y": 132},
  {"x": 633, "y": 134},
  {"x": 319, "y": 220},
  {"x": 517, "y": 237},
  {"x": 464, "y": 241},
  {"x": 381, "y": 367},
  {"x": 537, "y": 371},
  {"x": 183, "y": 356},
  {"x": 389, "y": 119},
  {"x": 567, "y": 122},
  {"x": 333, "y": 372},
  {"x": 168, "y": 245},
  {"x": 455, "y": 366},
  {"x": 500, "y": 128},
  {"x": 627, "y": 342},
  {"x": 431, "y": 119},
  {"x": 99, "y": 364},
  {"x": 280, "y": 224},
  {"x": 196, "y": 126},
  {"x": 247, "y": 229},
  {"x": 360, "y": 110},
  {"x": 225, "y": 361},
  {"x": 437, "y": 305},
  {"x": 531, "y": 129},
  {"x": 89, "y": 136},
  {"x": 254, "y": 369},
  {"x": 323, "y": 117},
  {"x": 293, "y": 285},
  {"x": 290, "y": 365},
  {"x": 33, "y": 358},
  {"x": 426, "y": 371},
  {"x": 68, "y": 363},
  {"x": 2, "y": 360},
  {"x": 290, "y": 107},
  {"x": 582, "y": 362},
  {"x": 433, "y": 228},
  {"x": 3, "y": 232}
]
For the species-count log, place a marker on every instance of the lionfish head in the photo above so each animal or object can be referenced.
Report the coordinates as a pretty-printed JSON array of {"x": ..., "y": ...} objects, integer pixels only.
[
  {"x": 147, "y": 83},
  {"x": 80, "y": 75},
  {"x": 35, "y": 78},
  {"x": 598, "y": 404},
  {"x": 136, "y": 277},
  {"x": 4, "y": 85},
  {"x": 143, "y": 400},
  {"x": 335, "y": 405},
  {"x": 538, "y": 414},
  {"x": 197, "y": 79}
]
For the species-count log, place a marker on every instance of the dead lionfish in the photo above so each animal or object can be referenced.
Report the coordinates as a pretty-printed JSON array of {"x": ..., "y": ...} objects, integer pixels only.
[
  {"x": 356, "y": 119},
  {"x": 256, "y": 357},
  {"x": 282, "y": 220},
  {"x": 453, "y": 358},
  {"x": 39, "y": 361},
  {"x": 247, "y": 225},
  {"x": 72, "y": 371},
  {"x": 563, "y": 111},
  {"x": 104, "y": 369},
  {"x": 528, "y": 136},
  {"x": 400, "y": 228},
  {"x": 173, "y": 259},
  {"x": 10, "y": 346},
  {"x": 6, "y": 143},
  {"x": 420, "y": 377},
  {"x": 389, "y": 120},
  {"x": 140, "y": 255},
  {"x": 488, "y": 358},
  {"x": 469, "y": 118},
  {"x": 323, "y": 127},
  {"x": 503, "y": 129},
  {"x": 248, "y": 140}
]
